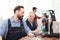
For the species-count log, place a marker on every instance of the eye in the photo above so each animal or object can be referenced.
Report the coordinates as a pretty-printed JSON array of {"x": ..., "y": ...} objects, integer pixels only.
[{"x": 29, "y": 16}]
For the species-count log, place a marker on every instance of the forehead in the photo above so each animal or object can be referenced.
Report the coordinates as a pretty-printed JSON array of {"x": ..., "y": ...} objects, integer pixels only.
[
  {"x": 21, "y": 9},
  {"x": 32, "y": 15}
]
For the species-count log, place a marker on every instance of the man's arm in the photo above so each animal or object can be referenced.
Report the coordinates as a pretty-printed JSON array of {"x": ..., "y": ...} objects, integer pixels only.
[
  {"x": 0, "y": 37},
  {"x": 37, "y": 30},
  {"x": 3, "y": 29},
  {"x": 28, "y": 31},
  {"x": 38, "y": 16}
]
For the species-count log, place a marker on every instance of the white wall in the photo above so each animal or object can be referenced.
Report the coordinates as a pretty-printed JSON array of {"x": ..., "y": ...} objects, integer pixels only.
[
  {"x": 4, "y": 11},
  {"x": 56, "y": 7},
  {"x": 7, "y": 6}
]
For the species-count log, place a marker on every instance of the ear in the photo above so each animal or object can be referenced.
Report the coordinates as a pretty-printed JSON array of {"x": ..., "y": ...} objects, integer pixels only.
[{"x": 17, "y": 11}]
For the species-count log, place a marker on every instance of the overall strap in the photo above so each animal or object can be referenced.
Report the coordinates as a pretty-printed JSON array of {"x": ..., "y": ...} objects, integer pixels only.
[
  {"x": 9, "y": 23},
  {"x": 22, "y": 25}
]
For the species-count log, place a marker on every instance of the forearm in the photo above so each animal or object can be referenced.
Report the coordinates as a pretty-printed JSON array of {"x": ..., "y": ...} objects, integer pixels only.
[
  {"x": 37, "y": 30},
  {"x": 0, "y": 37}
]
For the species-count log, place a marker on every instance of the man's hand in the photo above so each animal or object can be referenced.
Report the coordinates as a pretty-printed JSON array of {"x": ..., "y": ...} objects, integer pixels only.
[
  {"x": 31, "y": 35},
  {"x": 0, "y": 38}
]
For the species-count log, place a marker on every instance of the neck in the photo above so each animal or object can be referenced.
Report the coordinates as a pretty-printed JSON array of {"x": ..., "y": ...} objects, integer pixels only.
[
  {"x": 34, "y": 12},
  {"x": 15, "y": 18}
]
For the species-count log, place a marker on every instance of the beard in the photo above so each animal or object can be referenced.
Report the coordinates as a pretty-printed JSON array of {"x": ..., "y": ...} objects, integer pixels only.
[{"x": 20, "y": 17}]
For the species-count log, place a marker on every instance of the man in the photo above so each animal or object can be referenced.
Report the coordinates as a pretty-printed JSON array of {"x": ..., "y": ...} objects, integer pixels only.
[
  {"x": 14, "y": 28},
  {"x": 46, "y": 24},
  {"x": 30, "y": 23},
  {"x": 36, "y": 17}
]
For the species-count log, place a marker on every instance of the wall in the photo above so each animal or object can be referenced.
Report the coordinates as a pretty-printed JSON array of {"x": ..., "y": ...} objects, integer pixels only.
[
  {"x": 7, "y": 6},
  {"x": 56, "y": 7}
]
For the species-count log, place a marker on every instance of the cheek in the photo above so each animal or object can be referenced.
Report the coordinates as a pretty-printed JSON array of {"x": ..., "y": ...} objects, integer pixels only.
[
  {"x": 32, "y": 19},
  {"x": 20, "y": 14}
]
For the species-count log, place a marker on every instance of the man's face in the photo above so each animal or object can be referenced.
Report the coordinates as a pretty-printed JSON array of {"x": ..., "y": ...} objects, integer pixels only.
[
  {"x": 20, "y": 13},
  {"x": 31, "y": 17}
]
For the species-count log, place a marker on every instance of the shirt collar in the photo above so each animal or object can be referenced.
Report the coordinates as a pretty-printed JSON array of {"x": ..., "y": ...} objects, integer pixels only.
[
  {"x": 29, "y": 22},
  {"x": 13, "y": 20}
]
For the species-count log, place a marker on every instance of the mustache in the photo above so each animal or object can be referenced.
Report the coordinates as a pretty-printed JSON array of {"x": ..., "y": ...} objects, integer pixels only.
[{"x": 22, "y": 16}]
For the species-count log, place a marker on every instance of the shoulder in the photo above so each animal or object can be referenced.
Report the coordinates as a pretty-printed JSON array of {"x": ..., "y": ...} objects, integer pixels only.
[
  {"x": 5, "y": 21},
  {"x": 24, "y": 21}
]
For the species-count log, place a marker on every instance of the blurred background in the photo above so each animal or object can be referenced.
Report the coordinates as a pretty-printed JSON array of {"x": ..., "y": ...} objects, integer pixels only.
[{"x": 7, "y": 6}]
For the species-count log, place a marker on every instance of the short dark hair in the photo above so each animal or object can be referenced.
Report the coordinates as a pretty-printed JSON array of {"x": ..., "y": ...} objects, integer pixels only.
[
  {"x": 18, "y": 8},
  {"x": 43, "y": 20},
  {"x": 34, "y": 8}
]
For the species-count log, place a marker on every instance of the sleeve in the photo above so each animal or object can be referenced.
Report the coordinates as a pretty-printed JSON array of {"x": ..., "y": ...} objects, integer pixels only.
[
  {"x": 37, "y": 16},
  {"x": 3, "y": 28},
  {"x": 27, "y": 29}
]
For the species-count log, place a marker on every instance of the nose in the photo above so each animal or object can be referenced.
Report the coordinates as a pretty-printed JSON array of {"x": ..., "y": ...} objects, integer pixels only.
[{"x": 23, "y": 15}]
